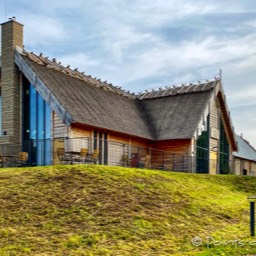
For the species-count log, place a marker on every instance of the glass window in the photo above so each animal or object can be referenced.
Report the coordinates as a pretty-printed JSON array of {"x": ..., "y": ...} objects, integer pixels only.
[
  {"x": 48, "y": 114},
  {"x": 47, "y": 134},
  {"x": 33, "y": 110},
  {"x": 36, "y": 116},
  {"x": 202, "y": 150},
  {"x": 224, "y": 151},
  {"x": 40, "y": 117}
]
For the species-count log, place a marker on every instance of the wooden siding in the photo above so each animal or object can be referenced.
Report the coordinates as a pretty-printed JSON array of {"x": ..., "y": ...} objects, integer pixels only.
[
  {"x": 214, "y": 125},
  {"x": 59, "y": 129},
  {"x": 237, "y": 166},
  {"x": 119, "y": 138},
  {"x": 133, "y": 141},
  {"x": 172, "y": 154},
  {"x": 214, "y": 115},
  {"x": 174, "y": 146},
  {"x": 241, "y": 165},
  {"x": 123, "y": 149},
  {"x": 77, "y": 131},
  {"x": 120, "y": 146},
  {"x": 253, "y": 168},
  {"x": 118, "y": 149},
  {"x": 59, "y": 132}
]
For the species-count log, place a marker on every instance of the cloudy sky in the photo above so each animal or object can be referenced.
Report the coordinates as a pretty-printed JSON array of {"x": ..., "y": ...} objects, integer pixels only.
[{"x": 143, "y": 44}]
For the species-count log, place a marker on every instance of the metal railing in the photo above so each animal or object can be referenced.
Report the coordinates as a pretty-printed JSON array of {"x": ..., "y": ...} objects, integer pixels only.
[{"x": 44, "y": 152}]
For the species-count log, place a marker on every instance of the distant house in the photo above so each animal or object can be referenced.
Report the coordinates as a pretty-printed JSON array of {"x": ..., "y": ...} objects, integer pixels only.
[
  {"x": 244, "y": 158},
  {"x": 44, "y": 102}
]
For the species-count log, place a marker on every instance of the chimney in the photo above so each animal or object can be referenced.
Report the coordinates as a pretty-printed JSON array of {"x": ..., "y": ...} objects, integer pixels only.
[{"x": 12, "y": 36}]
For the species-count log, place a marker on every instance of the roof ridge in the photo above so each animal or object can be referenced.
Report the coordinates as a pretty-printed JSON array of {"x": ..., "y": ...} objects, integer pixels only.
[
  {"x": 199, "y": 86},
  {"x": 165, "y": 91},
  {"x": 53, "y": 64}
]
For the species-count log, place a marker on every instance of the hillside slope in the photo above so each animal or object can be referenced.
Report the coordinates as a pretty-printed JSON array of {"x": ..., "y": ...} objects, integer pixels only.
[{"x": 99, "y": 210}]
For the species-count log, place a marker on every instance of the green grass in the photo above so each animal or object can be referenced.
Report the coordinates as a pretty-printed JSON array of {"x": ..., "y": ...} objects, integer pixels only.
[{"x": 100, "y": 210}]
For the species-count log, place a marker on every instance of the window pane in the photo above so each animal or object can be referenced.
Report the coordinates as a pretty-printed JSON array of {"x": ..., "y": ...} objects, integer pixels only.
[
  {"x": 33, "y": 108},
  {"x": 202, "y": 150},
  {"x": 40, "y": 118},
  {"x": 38, "y": 114},
  {"x": 47, "y": 135},
  {"x": 47, "y": 121}
]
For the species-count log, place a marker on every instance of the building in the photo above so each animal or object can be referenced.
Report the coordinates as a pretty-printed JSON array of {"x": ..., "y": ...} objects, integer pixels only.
[
  {"x": 244, "y": 158},
  {"x": 46, "y": 105}
]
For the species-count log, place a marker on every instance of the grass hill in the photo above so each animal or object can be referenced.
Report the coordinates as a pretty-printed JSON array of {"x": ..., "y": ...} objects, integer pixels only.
[{"x": 100, "y": 210}]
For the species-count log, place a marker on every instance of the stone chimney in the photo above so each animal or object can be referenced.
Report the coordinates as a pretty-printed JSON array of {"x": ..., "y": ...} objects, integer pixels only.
[{"x": 12, "y": 37}]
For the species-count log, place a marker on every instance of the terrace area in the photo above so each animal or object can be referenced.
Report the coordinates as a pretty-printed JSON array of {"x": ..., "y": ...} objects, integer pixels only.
[{"x": 87, "y": 150}]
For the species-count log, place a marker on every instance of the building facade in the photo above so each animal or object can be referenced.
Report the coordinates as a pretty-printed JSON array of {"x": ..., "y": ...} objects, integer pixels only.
[
  {"x": 46, "y": 106},
  {"x": 245, "y": 158}
]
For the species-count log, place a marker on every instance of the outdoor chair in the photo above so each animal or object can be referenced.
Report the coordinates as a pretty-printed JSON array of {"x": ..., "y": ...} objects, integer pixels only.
[
  {"x": 82, "y": 157},
  {"x": 21, "y": 159},
  {"x": 63, "y": 157},
  {"x": 93, "y": 158},
  {"x": 146, "y": 161},
  {"x": 124, "y": 160},
  {"x": 168, "y": 167}
]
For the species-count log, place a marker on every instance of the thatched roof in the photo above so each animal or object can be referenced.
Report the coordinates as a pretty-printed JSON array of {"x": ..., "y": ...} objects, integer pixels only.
[
  {"x": 89, "y": 101},
  {"x": 169, "y": 113},
  {"x": 176, "y": 116}
]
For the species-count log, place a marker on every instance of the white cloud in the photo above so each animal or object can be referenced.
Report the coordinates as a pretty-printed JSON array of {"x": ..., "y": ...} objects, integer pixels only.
[
  {"x": 243, "y": 98},
  {"x": 122, "y": 40},
  {"x": 156, "y": 13},
  {"x": 252, "y": 23},
  {"x": 79, "y": 60},
  {"x": 163, "y": 58},
  {"x": 245, "y": 122},
  {"x": 43, "y": 30}
]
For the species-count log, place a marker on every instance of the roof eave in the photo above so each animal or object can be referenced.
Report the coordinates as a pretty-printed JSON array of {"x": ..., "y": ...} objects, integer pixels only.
[
  {"x": 244, "y": 158},
  {"x": 226, "y": 116},
  {"x": 107, "y": 129}
]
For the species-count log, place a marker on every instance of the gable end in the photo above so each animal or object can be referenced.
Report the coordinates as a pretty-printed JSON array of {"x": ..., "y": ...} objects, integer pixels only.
[{"x": 43, "y": 90}]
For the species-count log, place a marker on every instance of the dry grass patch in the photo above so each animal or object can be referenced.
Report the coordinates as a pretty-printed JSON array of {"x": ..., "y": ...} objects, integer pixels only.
[{"x": 99, "y": 210}]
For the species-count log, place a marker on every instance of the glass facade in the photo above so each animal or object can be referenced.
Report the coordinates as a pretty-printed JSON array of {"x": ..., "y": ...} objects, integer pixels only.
[
  {"x": 224, "y": 151},
  {"x": 202, "y": 150},
  {"x": 36, "y": 126}
]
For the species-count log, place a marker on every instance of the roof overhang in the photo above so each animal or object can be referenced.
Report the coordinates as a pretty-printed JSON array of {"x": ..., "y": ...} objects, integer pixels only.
[
  {"x": 226, "y": 116},
  {"x": 42, "y": 89},
  {"x": 244, "y": 158},
  {"x": 109, "y": 130}
]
